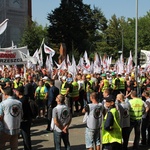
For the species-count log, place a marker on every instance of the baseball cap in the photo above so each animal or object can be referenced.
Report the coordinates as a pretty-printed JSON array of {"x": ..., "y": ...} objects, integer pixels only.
[
  {"x": 17, "y": 76},
  {"x": 103, "y": 75},
  {"x": 113, "y": 74},
  {"x": 45, "y": 78},
  {"x": 63, "y": 78},
  {"x": 88, "y": 76},
  {"x": 110, "y": 98}
]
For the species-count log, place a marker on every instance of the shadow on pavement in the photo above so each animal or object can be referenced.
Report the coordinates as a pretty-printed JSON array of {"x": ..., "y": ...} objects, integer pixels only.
[
  {"x": 77, "y": 126},
  {"x": 140, "y": 147}
]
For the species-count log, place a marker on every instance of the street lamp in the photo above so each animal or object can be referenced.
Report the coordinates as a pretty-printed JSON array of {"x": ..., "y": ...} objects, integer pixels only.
[
  {"x": 136, "y": 40},
  {"x": 122, "y": 40}
]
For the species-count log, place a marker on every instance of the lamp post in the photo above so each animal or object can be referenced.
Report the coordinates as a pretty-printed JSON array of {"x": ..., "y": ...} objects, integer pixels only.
[
  {"x": 136, "y": 40},
  {"x": 122, "y": 40}
]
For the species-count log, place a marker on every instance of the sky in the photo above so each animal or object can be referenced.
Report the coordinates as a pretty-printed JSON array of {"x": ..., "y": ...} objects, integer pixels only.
[{"x": 126, "y": 8}]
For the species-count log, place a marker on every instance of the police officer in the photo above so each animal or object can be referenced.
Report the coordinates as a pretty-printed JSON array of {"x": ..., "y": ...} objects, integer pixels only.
[
  {"x": 136, "y": 109},
  {"x": 111, "y": 130},
  {"x": 62, "y": 119}
]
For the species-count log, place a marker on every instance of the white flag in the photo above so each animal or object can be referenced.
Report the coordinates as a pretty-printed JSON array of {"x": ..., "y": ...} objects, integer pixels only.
[
  {"x": 49, "y": 50},
  {"x": 3, "y": 26},
  {"x": 41, "y": 54},
  {"x": 25, "y": 57}
]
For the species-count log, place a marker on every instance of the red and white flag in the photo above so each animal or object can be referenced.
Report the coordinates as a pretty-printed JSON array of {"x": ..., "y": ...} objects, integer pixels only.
[
  {"x": 3, "y": 26},
  {"x": 49, "y": 50},
  {"x": 86, "y": 61}
]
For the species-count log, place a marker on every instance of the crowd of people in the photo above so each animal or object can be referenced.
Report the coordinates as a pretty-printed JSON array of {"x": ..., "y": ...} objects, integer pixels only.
[{"x": 113, "y": 104}]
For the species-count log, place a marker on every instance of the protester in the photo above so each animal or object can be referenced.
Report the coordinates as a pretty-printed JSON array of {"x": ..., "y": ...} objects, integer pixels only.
[
  {"x": 93, "y": 122},
  {"x": 41, "y": 94},
  {"x": 62, "y": 120},
  {"x": 123, "y": 108},
  {"x": 26, "y": 119},
  {"x": 52, "y": 94},
  {"x": 11, "y": 113}
]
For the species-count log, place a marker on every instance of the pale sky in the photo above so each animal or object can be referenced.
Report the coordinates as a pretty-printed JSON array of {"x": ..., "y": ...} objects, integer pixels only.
[{"x": 126, "y": 8}]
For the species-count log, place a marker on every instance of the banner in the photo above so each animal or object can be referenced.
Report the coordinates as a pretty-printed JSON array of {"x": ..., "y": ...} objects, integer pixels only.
[{"x": 12, "y": 56}]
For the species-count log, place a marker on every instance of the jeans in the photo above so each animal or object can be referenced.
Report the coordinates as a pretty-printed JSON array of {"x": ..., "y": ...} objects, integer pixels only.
[
  {"x": 88, "y": 97},
  {"x": 25, "y": 131},
  {"x": 136, "y": 125},
  {"x": 57, "y": 140}
]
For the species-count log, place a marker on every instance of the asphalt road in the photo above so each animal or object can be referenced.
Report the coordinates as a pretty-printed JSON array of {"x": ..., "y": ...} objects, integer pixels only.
[{"x": 42, "y": 140}]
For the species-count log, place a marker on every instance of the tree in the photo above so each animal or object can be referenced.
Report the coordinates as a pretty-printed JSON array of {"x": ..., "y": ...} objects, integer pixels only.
[
  {"x": 75, "y": 23},
  {"x": 33, "y": 36}
]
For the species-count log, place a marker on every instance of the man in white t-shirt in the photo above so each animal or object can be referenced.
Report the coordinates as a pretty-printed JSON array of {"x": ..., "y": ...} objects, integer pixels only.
[
  {"x": 11, "y": 112},
  {"x": 62, "y": 119}
]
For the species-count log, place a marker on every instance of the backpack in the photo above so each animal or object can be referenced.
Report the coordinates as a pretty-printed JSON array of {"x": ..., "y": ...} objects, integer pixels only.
[{"x": 33, "y": 108}]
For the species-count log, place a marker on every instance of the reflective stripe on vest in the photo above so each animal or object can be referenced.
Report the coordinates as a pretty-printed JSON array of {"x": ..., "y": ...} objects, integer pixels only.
[
  {"x": 75, "y": 91},
  {"x": 106, "y": 85},
  {"x": 63, "y": 90},
  {"x": 136, "y": 110},
  {"x": 115, "y": 135},
  {"x": 122, "y": 84}
]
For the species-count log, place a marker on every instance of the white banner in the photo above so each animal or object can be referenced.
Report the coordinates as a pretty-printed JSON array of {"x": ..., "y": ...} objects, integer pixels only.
[{"x": 12, "y": 56}]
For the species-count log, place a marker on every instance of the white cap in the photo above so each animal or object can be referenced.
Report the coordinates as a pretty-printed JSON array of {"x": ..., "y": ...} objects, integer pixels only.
[
  {"x": 64, "y": 78},
  {"x": 45, "y": 78},
  {"x": 17, "y": 76}
]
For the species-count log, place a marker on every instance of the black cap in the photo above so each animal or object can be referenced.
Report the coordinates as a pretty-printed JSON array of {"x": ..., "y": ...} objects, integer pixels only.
[{"x": 110, "y": 98}]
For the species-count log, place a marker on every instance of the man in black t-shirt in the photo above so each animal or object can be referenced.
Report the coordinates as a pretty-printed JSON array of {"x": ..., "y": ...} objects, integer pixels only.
[{"x": 26, "y": 119}]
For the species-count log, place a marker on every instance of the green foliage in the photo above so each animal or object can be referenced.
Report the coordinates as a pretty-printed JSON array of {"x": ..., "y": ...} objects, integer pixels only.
[
  {"x": 33, "y": 36},
  {"x": 75, "y": 24}
]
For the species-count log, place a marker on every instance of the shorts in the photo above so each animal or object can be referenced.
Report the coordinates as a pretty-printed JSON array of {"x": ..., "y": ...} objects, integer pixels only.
[{"x": 92, "y": 137}]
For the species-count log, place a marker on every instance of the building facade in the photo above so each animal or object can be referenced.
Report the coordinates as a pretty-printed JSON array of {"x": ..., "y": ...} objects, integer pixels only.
[{"x": 18, "y": 12}]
